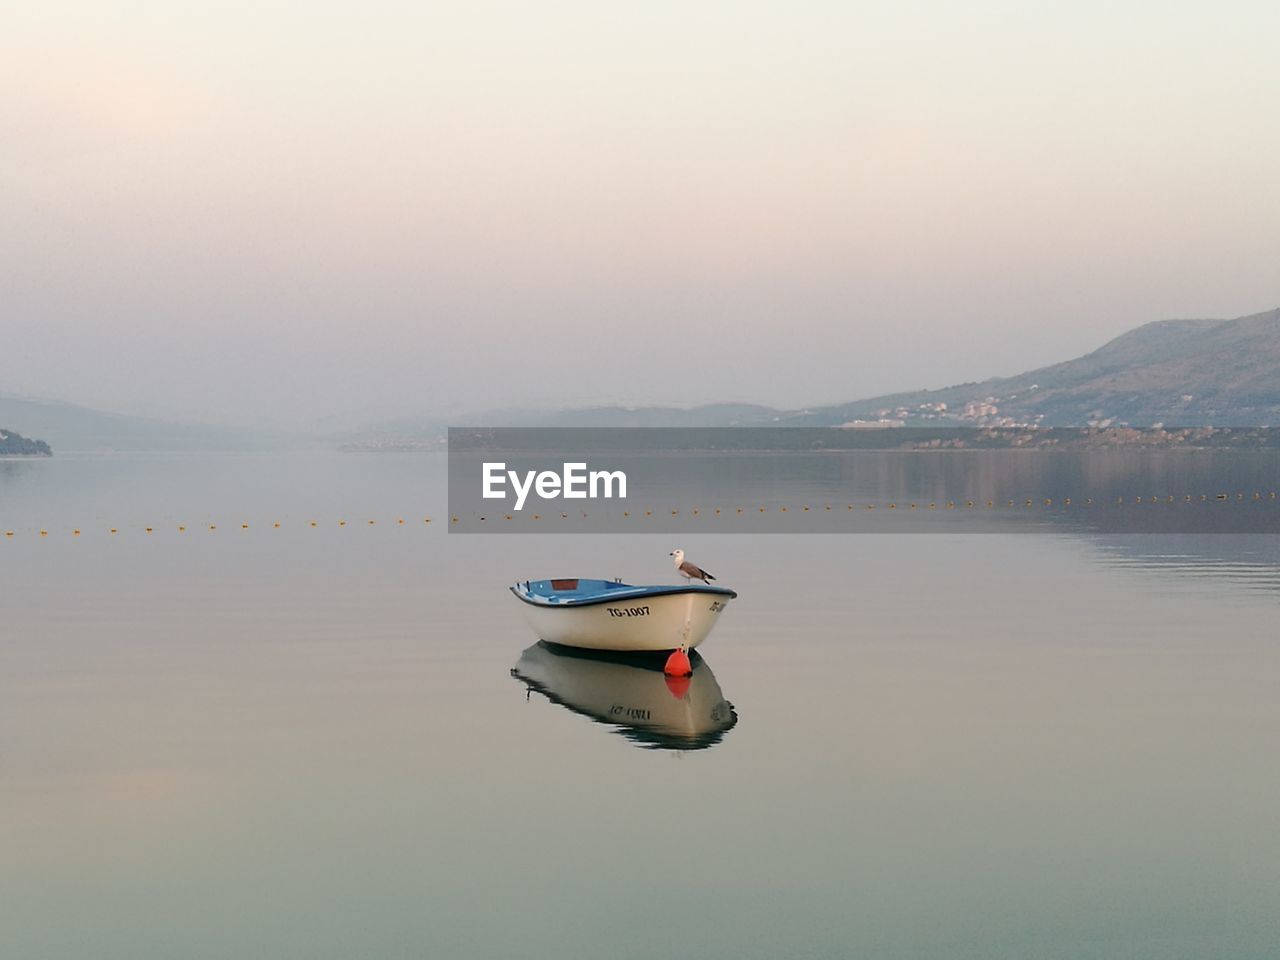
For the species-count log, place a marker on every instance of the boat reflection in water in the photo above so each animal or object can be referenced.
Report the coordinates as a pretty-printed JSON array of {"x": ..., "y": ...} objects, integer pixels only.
[{"x": 630, "y": 693}]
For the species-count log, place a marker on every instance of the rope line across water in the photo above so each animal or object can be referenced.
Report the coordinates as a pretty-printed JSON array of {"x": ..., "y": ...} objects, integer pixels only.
[{"x": 735, "y": 512}]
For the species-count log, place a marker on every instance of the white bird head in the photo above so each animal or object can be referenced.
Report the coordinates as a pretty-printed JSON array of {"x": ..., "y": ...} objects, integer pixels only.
[{"x": 679, "y": 556}]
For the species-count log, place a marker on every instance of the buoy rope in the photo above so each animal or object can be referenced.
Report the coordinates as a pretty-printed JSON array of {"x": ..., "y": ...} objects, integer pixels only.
[{"x": 707, "y": 517}]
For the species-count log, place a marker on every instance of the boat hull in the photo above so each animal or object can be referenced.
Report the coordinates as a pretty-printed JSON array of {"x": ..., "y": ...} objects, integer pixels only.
[{"x": 634, "y": 624}]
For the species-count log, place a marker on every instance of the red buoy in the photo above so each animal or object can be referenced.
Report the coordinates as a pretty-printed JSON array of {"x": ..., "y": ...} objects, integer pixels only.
[
  {"x": 678, "y": 686},
  {"x": 678, "y": 664}
]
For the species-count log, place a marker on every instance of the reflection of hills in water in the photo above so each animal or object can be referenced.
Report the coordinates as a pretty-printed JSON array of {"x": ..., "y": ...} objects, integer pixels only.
[
  {"x": 1249, "y": 561},
  {"x": 1122, "y": 490},
  {"x": 631, "y": 694}
]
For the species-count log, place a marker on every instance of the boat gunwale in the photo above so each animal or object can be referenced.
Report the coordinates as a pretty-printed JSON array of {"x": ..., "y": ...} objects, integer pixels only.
[{"x": 624, "y": 594}]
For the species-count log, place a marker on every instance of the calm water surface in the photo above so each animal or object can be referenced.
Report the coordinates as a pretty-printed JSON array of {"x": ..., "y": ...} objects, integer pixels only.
[{"x": 309, "y": 741}]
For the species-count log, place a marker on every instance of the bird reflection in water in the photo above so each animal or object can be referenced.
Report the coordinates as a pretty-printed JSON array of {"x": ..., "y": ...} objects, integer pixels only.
[{"x": 630, "y": 693}]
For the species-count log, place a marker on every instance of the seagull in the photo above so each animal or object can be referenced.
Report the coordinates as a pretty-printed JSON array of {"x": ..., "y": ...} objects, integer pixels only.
[{"x": 688, "y": 570}]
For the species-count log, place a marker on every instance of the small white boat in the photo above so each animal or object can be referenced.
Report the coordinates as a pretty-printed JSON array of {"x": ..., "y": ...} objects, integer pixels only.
[
  {"x": 610, "y": 615},
  {"x": 632, "y": 695}
]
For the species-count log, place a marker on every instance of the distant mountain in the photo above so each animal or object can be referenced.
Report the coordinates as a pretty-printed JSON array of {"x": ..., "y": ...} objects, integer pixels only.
[
  {"x": 1176, "y": 372},
  {"x": 1188, "y": 373},
  {"x": 15, "y": 445},
  {"x": 1183, "y": 373},
  {"x": 428, "y": 432},
  {"x": 77, "y": 429},
  {"x": 708, "y": 415}
]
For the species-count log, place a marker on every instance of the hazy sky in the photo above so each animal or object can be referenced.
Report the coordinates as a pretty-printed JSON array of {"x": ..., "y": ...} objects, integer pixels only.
[{"x": 293, "y": 211}]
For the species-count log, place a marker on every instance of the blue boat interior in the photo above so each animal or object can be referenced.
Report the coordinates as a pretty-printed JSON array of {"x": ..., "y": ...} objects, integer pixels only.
[{"x": 580, "y": 591}]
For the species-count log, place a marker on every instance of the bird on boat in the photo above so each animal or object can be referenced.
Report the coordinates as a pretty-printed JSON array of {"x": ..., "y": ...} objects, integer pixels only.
[{"x": 689, "y": 570}]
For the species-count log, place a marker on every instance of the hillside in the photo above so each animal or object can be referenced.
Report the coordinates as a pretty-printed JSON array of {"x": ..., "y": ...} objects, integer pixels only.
[
  {"x": 72, "y": 428},
  {"x": 708, "y": 415},
  {"x": 15, "y": 445},
  {"x": 1176, "y": 372},
  {"x": 1179, "y": 373},
  {"x": 427, "y": 433}
]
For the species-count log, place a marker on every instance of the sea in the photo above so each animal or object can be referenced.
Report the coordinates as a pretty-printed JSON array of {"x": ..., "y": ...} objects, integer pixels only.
[{"x": 280, "y": 704}]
